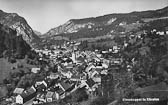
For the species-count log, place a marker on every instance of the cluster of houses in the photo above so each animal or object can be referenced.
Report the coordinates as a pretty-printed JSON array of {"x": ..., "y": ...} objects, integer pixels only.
[{"x": 73, "y": 69}]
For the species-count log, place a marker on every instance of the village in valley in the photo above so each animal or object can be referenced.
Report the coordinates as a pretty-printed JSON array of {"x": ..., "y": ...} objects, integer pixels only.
[
  {"x": 72, "y": 70},
  {"x": 83, "y": 52},
  {"x": 67, "y": 71}
]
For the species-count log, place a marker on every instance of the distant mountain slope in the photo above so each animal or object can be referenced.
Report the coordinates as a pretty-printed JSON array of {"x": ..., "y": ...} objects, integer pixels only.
[
  {"x": 37, "y": 33},
  {"x": 19, "y": 24},
  {"x": 111, "y": 24}
]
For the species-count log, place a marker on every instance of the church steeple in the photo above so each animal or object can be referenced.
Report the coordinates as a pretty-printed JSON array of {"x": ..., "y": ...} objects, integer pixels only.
[{"x": 73, "y": 57}]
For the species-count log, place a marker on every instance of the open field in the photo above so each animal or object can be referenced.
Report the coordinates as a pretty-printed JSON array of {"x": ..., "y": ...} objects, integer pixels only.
[
  {"x": 5, "y": 68},
  {"x": 3, "y": 91}
]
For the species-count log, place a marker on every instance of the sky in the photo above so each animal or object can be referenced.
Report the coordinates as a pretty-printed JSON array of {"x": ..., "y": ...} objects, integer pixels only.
[{"x": 43, "y": 15}]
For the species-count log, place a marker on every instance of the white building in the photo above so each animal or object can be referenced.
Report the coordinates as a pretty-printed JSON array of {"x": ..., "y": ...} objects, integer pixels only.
[
  {"x": 26, "y": 96},
  {"x": 40, "y": 82},
  {"x": 73, "y": 57},
  {"x": 18, "y": 91},
  {"x": 51, "y": 96},
  {"x": 35, "y": 70},
  {"x": 19, "y": 99}
]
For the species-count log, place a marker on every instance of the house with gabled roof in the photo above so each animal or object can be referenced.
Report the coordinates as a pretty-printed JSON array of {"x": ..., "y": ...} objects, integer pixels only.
[
  {"x": 51, "y": 96},
  {"x": 90, "y": 67},
  {"x": 54, "y": 75},
  {"x": 91, "y": 85},
  {"x": 26, "y": 95},
  {"x": 41, "y": 82},
  {"x": 67, "y": 74},
  {"x": 41, "y": 88},
  {"x": 65, "y": 86},
  {"x": 18, "y": 91},
  {"x": 95, "y": 75},
  {"x": 60, "y": 92},
  {"x": 105, "y": 63},
  {"x": 69, "y": 66},
  {"x": 97, "y": 59},
  {"x": 76, "y": 77},
  {"x": 35, "y": 70},
  {"x": 41, "y": 97}
]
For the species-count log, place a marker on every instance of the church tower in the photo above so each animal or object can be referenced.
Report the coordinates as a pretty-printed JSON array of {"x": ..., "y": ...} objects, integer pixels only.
[{"x": 73, "y": 57}]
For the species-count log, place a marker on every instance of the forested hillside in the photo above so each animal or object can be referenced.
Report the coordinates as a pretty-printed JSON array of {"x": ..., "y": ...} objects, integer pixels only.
[{"x": 11, "y": 44}]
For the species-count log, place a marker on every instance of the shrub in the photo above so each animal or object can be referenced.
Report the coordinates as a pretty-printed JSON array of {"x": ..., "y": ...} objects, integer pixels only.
[
  {"x": 79, "y": 95},
  {"x": 19, "y": 65},
  {"x": 100, "y": 101},
  {"x": 12, "y": 60}
]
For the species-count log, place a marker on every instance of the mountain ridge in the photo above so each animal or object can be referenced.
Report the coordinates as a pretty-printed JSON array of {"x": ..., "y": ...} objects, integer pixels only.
[
  {"x": 75, "y": 25},
  {"x": 18, "y": 23}
]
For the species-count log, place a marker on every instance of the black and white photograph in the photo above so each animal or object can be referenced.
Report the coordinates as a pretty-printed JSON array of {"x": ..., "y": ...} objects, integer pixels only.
[{"x": 83, "y": 52}]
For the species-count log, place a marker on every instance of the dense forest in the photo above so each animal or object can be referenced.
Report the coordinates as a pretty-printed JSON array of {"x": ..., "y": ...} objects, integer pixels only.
[{"x": 148, "y": 59}]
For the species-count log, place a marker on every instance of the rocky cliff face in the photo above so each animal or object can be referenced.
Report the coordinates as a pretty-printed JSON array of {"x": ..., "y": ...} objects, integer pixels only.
[
  {"x": 11, "y": 42},
  {"x": 69, "y": 27},
  {"x": 19, "y": 24}
]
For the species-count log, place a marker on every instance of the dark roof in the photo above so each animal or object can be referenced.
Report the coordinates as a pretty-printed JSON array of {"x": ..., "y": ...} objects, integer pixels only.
[
  {"x": 53, "y": 89},
  {"x": 28, "y": 93},
  {"x": 80, "y": 59},
  {"x": 41, "y": 86},
  {"x": 90, "y": 82},
  {"x": 60, "y": 91},
  {"x": 98, "y": 69},
  {"x": 39, "y": 79},
  {"x": 75, "y": 76},
  {"x": 66, "y": 86}
]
